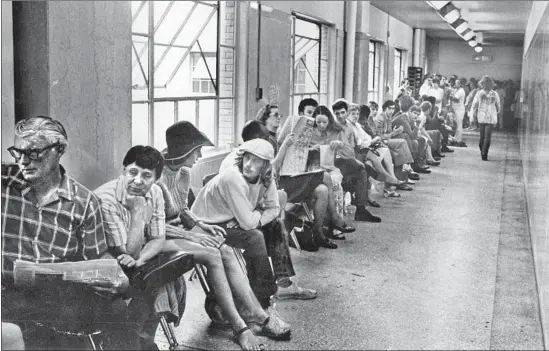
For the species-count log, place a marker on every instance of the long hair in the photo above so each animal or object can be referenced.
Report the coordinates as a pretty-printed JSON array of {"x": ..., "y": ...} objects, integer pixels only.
[
  {"x": 265, "y": 174},
  {"x": 332, "y": 123},
  {"x": 264, "y": 112}
]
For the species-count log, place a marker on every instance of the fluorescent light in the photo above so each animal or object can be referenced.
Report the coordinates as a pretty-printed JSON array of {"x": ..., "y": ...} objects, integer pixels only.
[
  {"x": 437, "y": 5},
  {"x": 450, "y": 13},
  {"x": 478, "y": 48},
  {"x": 472, "y": 42},
  {"x": 460, "y": 26},
  {"x": 468, "y": 34}
]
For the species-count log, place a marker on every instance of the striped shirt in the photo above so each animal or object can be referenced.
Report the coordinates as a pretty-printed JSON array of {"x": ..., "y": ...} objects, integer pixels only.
[
  {"x": 69, "y": 227},
  {"x": 117, "y": 217}
]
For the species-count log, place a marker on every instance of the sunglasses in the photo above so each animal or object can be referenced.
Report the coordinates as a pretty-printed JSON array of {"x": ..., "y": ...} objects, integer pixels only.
[{"x": 32, "y": 154}]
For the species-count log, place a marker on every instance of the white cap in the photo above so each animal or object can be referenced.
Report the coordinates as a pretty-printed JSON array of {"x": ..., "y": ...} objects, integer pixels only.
[{"x": 259, "y": 147}]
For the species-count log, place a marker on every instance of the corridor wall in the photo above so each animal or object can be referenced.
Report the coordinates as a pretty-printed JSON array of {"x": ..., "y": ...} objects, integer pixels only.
[
  {"x": 450, "y": 56},
  {"x": 533, "y": 116}
]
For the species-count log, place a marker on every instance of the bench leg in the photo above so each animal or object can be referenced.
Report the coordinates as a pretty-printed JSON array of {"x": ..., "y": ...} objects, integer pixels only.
[{"x": 167, "y": 328}]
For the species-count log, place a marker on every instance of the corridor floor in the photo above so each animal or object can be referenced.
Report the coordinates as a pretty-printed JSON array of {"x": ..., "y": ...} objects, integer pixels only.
[{"x": 449, "y": 267}]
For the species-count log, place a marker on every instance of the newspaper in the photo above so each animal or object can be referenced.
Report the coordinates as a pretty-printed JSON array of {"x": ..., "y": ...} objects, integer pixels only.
[
  {"x": 295, "y": 160},
  {"x": 101, "y": 271}
]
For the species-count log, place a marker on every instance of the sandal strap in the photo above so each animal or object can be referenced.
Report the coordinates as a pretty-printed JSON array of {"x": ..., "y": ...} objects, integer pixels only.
[
  {"x": 239, "y": 332},
  {"x": 265, "y": 322}
]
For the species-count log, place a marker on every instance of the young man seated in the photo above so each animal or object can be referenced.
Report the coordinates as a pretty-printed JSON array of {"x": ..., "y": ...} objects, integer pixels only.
[
  {"x": 36, "y": 192},
  {"x": 396, "y": 139},
  {"x": 353, "y": 171}
]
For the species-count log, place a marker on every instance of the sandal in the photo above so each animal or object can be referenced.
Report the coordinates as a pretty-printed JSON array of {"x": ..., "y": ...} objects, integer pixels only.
[
  {"x": 390, "y": 193},
  {"x": 275, "y": 328},
  {"x": 345, "y": 228},
  {"x": 339, "y": 236},
  {"x": 237, "y": 335}
]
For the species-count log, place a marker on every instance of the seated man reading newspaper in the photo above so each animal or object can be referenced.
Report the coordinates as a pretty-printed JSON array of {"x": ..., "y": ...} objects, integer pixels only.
[{"x": 48, "y": 217}]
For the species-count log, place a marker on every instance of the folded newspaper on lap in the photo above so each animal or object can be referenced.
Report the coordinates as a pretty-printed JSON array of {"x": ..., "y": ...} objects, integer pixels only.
[
  {"x": 94, "y": 272},
  {"x": 295, "y": 161}
]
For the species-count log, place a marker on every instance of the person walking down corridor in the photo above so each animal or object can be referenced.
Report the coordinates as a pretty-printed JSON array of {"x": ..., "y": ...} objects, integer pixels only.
[{"x": 486, "y": 106}]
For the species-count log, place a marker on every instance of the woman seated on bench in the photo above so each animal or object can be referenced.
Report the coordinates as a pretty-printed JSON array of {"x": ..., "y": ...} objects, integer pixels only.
[{"x": 206, "y": 242}]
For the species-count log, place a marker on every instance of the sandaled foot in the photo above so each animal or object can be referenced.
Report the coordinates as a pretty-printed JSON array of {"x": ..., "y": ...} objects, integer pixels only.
[
  {"x": 247, "y": 340},
  {"x": 274, "y": 327}
]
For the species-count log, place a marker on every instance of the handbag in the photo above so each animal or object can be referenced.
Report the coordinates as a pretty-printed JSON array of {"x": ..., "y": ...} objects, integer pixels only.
[{"x": 304, "y": 234}]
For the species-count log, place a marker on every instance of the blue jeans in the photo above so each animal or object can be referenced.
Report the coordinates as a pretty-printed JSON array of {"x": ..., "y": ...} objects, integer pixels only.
[{"x": 485, "y": 137}]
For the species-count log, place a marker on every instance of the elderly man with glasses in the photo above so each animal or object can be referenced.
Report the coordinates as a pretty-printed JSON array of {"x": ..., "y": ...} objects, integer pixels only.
[{"x": 48, "y": 217}]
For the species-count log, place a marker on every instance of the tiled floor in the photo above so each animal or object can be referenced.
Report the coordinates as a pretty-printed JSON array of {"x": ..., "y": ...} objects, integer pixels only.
[{"x": 450, "y": 267}]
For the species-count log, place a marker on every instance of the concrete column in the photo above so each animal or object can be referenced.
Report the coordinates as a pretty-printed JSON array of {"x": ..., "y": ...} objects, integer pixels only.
[
  {"x": 362, "y": 51},
  {"x": 241, "y": 92},
  {"x": 8, "y": 109},
  {"x": 420, "y": 38},
  {"x": 74, "y": 64},
  {"x": 350, "y": 28}
]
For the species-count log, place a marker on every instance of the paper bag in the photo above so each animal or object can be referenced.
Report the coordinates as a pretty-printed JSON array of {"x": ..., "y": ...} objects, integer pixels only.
[{"x": 327, "y": 157}]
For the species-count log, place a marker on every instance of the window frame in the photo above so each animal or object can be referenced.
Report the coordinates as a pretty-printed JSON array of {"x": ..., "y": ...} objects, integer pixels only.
[
  {"x": 373, "y": 94},
  {"x": 153, "y": 64},
  {"x": 321, "y": 93}
]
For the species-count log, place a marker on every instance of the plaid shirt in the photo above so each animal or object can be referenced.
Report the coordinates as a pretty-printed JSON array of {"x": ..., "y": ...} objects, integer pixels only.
[
  {"x": 117, "y": 217},
  {"x": 68, "y": 228}
]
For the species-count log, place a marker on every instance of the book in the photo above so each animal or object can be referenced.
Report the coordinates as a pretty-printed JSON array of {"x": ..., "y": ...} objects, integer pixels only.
[
  {"x": 295, "y": 160},
  {"x": 103, "y": 272}
]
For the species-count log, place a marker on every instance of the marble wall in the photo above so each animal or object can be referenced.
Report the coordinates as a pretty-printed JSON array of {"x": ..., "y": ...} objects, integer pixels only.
[{"x": 533, "y": 115}]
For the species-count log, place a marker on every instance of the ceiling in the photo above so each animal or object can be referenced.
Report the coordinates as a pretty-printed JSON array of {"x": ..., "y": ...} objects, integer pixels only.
[{"x": 501, "y": 22}]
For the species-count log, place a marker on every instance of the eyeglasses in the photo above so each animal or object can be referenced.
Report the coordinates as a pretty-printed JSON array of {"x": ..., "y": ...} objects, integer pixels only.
[
  {"x": 32, "y": 154},
  {"x": 275, "y": 115}
]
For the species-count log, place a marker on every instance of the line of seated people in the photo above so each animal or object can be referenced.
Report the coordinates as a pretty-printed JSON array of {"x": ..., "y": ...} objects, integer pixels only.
[{"x": 49, "y": 217}]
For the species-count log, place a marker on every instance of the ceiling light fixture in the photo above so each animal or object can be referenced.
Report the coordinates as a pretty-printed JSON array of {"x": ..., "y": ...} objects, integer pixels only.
[
  {"x": 437, "y": 5},
  {"x": 478, "y": 48},
  {"x": 468, "y": 34},
  {"x": 450, "y": 13},
  {"x": 472, "y": 42},
  {"x": 460, "y": 26}
]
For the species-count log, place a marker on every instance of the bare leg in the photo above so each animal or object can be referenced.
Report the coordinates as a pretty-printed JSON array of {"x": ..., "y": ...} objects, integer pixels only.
[
  {"x": 243, "y": 294},
  {"x": 211, "y": 258},
  {"x": 322, "y": 203},
  {"x": 379, "y": 167}
]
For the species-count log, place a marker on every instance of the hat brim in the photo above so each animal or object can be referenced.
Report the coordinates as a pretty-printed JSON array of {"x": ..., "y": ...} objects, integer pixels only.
[{"x": 180, "y": 159}]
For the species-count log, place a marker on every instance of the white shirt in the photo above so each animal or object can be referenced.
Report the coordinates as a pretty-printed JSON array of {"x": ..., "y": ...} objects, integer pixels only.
[{"x": 460, "y": 105}]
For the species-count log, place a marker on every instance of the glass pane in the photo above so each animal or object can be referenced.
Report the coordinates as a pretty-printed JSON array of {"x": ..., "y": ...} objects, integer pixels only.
[
  {"x": 187, "y": 111},
  {"x": 141, "y": 22},
  {"x": 227, "y": 18},
  {"x": 226, "y": 72},
  {"x": 372, "y": 46},
  {"x": 173, "y": 21},
  {"x": 139, "y": 72},
  {"x": 195, "y": 24},
  {"x": 159, "y": 9},
  {"x": 371, "y": 78},
  {"x": 181, "y": 84},
  {"x": 307, "y": 29},
  {"x": 163, "y": 118},
  {"x": 140, "y": 124},
  {"x": 206, "y": 118}
]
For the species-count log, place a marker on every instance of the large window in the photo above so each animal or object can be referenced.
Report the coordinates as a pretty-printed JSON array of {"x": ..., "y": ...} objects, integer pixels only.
[
  {"x": 374, "y": 60},
  {"x": 310, "y": 61},
  {"x": 182, "y": 69}
]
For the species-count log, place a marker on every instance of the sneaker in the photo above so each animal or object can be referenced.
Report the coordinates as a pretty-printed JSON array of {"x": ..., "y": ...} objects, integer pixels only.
[{"x": 295, "y": 292}]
